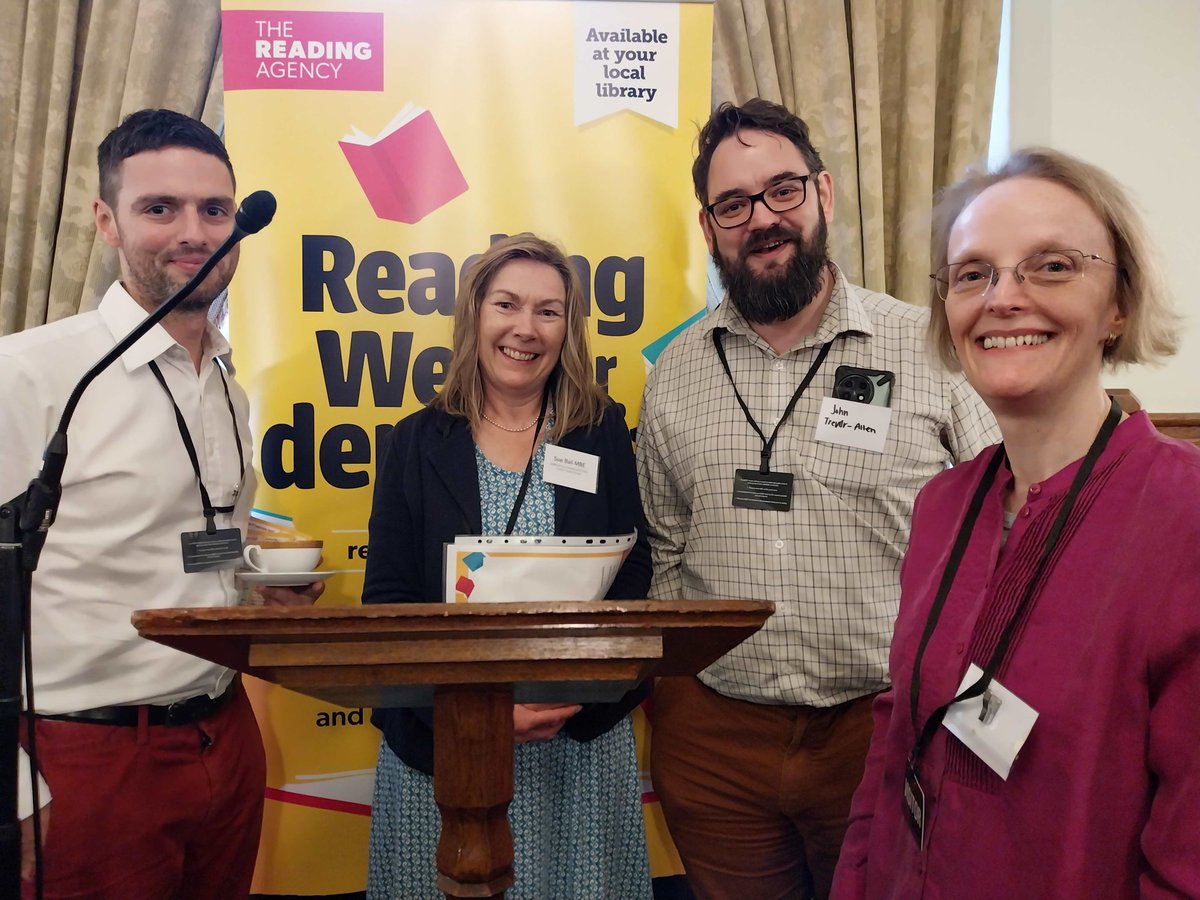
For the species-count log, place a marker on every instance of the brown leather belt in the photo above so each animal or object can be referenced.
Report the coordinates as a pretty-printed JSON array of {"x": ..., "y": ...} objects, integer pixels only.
[{"x": 181, "y": 712}]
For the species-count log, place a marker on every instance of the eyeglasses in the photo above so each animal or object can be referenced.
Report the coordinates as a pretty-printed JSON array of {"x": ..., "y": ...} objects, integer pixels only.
[
  {"x": 1048, "y": 269},
  {"x": 779, "y": 197}
]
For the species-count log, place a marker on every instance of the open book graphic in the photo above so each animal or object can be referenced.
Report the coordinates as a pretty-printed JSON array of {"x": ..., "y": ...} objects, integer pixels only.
[{"x": 407, "y": 170}]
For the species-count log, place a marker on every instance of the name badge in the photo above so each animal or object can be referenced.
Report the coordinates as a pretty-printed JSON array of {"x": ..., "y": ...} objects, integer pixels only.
[
  {"x": 914, "y": 805},
  {"x": 850, "y": 424},
  {"x": 994, "y": 726},
  {"x": 753, "y": 489},
  {"x": 204, "y": 552},
  {"x": 571, "y": 468}
]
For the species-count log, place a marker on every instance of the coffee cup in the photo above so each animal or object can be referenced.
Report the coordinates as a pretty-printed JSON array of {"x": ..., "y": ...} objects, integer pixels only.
[{"x": 283, "y": 556}]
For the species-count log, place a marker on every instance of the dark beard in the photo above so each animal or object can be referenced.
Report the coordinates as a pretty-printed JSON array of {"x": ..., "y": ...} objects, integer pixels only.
[{"x": 766, "y": 299}]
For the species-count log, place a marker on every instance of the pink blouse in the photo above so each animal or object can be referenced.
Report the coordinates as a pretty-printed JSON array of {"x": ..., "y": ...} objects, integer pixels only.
[{"x": 1104, "y": 798}]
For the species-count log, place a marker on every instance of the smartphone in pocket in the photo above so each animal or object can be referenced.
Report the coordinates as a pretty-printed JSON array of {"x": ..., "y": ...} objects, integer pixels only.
[{"x": 857, "y": 385}]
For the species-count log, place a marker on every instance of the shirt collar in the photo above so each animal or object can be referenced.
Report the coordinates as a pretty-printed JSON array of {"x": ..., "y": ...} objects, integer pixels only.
[
  {"x": 1137, "y": 427},
  {"x": 121, "y": 314},
  {"x": 844, "y": 314}
]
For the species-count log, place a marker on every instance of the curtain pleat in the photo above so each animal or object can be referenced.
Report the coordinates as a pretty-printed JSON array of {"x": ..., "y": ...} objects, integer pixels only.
[
  {"x": 70, "y": 70},
  {"x": 40, "y": 81}
]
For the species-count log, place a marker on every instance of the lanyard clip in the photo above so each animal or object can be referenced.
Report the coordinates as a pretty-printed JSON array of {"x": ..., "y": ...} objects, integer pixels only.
[
  {"x": 991, "y": 706},
  {"x": 765, "y": 455}
]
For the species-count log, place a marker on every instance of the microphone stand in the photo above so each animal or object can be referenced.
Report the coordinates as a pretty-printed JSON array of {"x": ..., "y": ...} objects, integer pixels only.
[{"x": 24, "y": 522}]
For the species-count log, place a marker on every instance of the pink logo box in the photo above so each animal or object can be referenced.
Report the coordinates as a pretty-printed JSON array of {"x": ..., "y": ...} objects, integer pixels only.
[{"x": 302, "y": 51}]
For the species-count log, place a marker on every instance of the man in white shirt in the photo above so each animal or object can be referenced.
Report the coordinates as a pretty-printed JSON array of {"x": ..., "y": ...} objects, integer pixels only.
[{"x": 153, "y": 757}]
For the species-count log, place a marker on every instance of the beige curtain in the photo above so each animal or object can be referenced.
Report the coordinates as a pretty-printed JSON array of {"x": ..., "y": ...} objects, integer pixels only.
[
  {"x": 69, "y": 70},
  {"x": 898, "y": 97}
]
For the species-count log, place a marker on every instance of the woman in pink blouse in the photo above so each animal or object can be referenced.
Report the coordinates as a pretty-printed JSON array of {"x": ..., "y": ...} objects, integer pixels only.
[{"x": 1042, "y": 737}]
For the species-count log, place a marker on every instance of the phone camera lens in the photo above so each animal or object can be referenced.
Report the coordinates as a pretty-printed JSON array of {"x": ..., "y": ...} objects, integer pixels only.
[{"x": 855, "y": 388}]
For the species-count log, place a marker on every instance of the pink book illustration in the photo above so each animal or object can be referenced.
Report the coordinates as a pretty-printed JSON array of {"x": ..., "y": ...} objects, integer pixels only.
[{"x": 407, "y": 170}]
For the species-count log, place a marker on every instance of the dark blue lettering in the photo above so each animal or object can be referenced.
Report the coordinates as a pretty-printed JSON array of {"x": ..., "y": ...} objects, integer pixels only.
[
  {"x": 434, "y": 293},
  {"x": 343, "y": 386},
  {"x": 315, "y": 279},
  {"x": 631, "y": 307},
  {"x": 299, "y": 435},
  {"x": 345, "y": 445},
  {"x": 380, "y": 270}
]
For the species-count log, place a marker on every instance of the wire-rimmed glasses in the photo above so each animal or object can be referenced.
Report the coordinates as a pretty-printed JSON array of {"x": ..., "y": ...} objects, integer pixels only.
[{"x": 1050, "y": 268}]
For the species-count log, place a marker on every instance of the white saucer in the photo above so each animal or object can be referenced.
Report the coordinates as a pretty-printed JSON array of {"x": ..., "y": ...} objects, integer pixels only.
[{"x": 286, "y": 579}]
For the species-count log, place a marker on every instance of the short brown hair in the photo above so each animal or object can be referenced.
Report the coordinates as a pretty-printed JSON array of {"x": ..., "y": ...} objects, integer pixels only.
[
  {"x": 578, "y": 400},
  {"x": 153, "y": 129},
  {"x": 756, "y": 115},
  {"x": 1151, "y": 329}
]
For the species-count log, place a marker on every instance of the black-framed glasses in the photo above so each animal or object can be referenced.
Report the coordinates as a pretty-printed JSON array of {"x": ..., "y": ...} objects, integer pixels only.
[
  {"x": 779, "y": 197},
  {"x": 1048, "y": 269}
]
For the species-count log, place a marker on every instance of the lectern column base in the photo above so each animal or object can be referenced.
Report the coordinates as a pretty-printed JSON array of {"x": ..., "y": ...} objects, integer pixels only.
[{"x": 473, "y": 786}]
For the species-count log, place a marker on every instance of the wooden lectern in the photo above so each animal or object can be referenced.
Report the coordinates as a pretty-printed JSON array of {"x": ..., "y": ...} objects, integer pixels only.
[{"x": 469, "y": 661}]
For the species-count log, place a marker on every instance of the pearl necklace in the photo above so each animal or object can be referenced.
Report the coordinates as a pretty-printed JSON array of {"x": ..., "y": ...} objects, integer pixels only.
[{"x": 491, "y": 421}]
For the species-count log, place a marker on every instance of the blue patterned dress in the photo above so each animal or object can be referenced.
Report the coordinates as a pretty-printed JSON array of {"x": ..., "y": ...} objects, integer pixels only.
[{"x": 576, "y": 814}]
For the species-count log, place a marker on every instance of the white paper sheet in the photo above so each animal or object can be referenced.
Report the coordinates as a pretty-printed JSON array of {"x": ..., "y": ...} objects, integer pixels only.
[{"x": 504, "y": 569}]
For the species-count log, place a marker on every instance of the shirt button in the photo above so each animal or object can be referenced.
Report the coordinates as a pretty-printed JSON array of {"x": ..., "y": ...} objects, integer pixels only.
[
  {"x": 1025, "y": 512},
  {"x": 778, "y": 364},
  {"x": 1035, "y": 489},
  {"x": 958, "y": 648},
  {"x": 779, "y": 545}
]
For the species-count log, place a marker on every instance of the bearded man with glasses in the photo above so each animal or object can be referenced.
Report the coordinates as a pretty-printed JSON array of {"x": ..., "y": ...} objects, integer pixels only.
[{"x": 750, "y": 493}]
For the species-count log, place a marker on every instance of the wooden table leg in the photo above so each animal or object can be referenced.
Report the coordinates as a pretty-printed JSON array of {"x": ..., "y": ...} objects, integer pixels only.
[{"x": 473, "y": 785}]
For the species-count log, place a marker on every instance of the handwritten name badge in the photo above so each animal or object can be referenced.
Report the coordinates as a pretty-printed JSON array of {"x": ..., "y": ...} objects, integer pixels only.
[
  {"x": 571, "y": 468},
  {"x": 850, "y": 424}
]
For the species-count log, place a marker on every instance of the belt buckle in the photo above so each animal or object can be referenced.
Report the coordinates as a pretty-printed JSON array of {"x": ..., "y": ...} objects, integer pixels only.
[{"x": 176, "y": 709}]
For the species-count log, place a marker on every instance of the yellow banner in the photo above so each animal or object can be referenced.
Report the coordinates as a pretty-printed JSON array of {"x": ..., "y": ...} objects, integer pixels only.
[{"x": 400, "y": 138}]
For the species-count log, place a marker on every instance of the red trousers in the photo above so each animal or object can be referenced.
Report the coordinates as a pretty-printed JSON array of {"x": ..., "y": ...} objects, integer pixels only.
[
  {"x": 756, "y": 796},
  {"x": 165, "y": 811}
]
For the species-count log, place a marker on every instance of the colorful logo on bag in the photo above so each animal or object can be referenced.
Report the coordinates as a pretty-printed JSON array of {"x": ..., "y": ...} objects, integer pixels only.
[
  {"x": 406, "y": 170},
  {"x": 266, "y": 50},
  {"x": 463, "y": 585}
]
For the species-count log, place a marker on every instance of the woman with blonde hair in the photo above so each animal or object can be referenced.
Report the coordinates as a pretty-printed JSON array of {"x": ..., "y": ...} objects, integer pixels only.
[
  {"x": 471, "y": 463},
  {"x": 1041, "y": 735}
]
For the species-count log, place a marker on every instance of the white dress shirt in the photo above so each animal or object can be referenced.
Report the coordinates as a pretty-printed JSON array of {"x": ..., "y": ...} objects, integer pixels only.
[{"x": 129, "y": 492}]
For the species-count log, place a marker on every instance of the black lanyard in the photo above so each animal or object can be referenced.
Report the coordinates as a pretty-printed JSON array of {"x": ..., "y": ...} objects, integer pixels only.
[
  {"x": 210, "y": 511},
  {"x": 537, "y": 430},
  {"x": 765, "y": 464},
  {"x": 956, "y": 554}
]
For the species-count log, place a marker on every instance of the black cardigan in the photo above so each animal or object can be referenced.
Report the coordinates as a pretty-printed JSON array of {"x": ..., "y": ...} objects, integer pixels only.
[{"x": 427, "y": 491}]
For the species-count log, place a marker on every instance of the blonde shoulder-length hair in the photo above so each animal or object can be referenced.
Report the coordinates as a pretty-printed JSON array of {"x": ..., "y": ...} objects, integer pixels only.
[
  {"x": 1151, "y": 324},
  {"x": 578, "y": 401}
]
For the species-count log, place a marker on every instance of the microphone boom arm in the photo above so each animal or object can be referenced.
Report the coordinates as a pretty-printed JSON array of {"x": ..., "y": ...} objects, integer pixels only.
[{"x": 41, "y": 504}]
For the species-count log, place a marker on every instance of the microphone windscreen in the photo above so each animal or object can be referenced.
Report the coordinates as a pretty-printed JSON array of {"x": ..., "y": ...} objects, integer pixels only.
[{"x": 256, "y": 212}]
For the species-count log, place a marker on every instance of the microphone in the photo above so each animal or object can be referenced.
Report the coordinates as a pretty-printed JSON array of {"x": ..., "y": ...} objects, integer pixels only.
[
  {"x": 252, "y": 216},
  {"x": 255, "y": 213}
]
